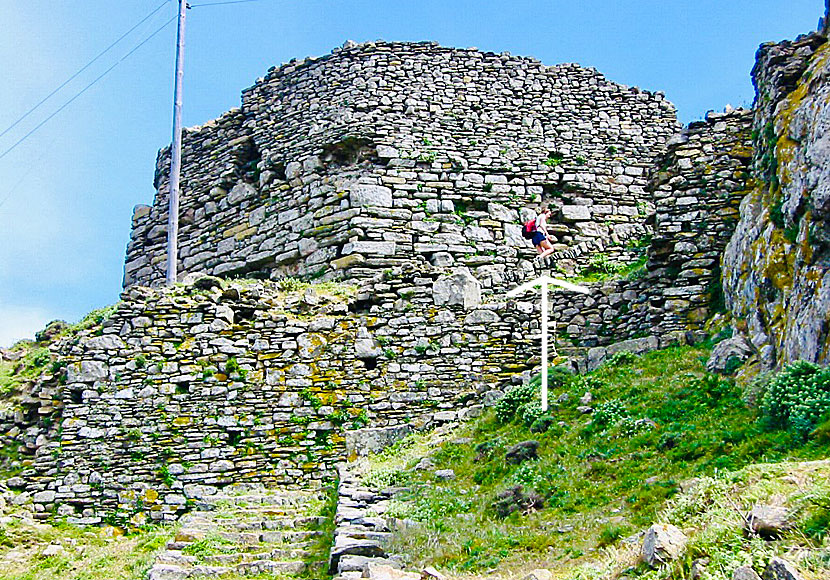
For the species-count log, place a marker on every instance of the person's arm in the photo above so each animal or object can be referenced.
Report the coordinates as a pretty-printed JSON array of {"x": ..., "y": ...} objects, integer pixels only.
[{"x": 542, "y": 225}]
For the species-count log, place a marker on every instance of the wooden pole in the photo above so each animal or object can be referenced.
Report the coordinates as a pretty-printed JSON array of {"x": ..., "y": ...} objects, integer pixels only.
[{"x": 176, "y": 155}]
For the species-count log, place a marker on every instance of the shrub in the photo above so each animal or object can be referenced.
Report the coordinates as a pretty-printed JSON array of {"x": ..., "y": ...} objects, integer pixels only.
[
  {"x": 516, "y": 499},
  {"x": 610, "y": 533},
  {"x": 797, "y": 398},
  {"x": 513, "y": 400},
  {"x": 623, "y": 357},
  {"x": 530, "y": 412},
  {"x": 608, "y": 413}
]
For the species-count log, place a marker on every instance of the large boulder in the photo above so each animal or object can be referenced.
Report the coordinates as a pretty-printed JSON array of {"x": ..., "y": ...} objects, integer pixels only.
[
  {"x": 459, "y": 288},
  {"x": 662, "y": 544},
  {"x": 725, "y": 352}
]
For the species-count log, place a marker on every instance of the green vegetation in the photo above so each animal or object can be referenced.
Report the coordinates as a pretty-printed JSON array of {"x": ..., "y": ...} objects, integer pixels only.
[
  {"x": 658, "y": 421},
  {"x": 12, "y": 374},
  {"x": 798, "y": 399},
  {"x": 85, "y": 553},
  {"x": 601, "y": 267},
  {"x": 554, "y": 160}
]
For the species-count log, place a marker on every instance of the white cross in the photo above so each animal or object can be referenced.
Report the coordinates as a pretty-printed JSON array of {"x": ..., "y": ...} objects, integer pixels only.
[{"x": 544, "y": 281}]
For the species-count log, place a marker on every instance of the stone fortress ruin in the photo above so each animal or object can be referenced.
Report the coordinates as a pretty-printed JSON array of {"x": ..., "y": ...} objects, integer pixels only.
[
  {"x": 401, "y": 173},
  {"x": 406, "y": 171}
]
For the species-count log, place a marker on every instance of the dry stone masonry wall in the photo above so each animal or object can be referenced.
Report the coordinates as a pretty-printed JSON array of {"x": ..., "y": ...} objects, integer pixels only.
[
  {"x": 405, "y": 170},
  {"x": 191, "y": 389},
  {"x": 387, "y": 153}
]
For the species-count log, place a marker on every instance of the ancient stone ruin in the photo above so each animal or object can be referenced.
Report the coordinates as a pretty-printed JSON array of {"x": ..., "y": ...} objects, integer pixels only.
[{"x": 399, "y": 174}]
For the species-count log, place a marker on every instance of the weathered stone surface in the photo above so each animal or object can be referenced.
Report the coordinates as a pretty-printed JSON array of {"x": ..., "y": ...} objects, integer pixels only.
[
  {"x": 373, "y": 195},
  {"x": 241, "y": 192},
  {"x": 385, "y": 572},
  {"x": 769, "y": 521},
  {"x": 460, "y": 288},
  {"x": 745, "y": 573},
  {"x": 86, "y": 371},
  {"x": 735, "y": 348},
  {"x": 780, "y": 569},
  {"x": 353, "y": 547},
  {"x": 775, "y": 284},
  {"x": 663, "y": 543},
  {"x": 539, "y": 574},
  {"x": 372, "y": 440}
]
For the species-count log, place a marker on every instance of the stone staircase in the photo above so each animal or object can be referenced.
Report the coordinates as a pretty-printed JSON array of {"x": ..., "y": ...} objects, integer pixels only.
[{"x": 248, "y": 530}]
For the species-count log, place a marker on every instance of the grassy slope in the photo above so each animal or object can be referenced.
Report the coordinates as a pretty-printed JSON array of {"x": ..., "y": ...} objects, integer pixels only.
[
  {"x": 603, "y": 476},
  {"x": 87, "y": 553}
]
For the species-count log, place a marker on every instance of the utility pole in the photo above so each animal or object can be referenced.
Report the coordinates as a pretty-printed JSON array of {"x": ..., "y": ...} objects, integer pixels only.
[
  {"x": 544, "y": 282},
  {"x": 176, "y": 154}
]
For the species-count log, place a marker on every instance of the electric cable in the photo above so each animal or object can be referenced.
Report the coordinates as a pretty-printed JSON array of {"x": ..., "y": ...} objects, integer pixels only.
[
  {"x": 86, "y": 88},
  {"x": 82, "y": 69}
]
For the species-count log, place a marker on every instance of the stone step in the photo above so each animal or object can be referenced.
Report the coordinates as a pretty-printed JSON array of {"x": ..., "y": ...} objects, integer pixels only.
[
  {"x": 176, "y": 558},
  {"x": 272, "y": 500},
  {"x": 200, "y": 520},
  {"x": 168, "y": 572},
  {"x": 249, "y": 542},
  {"x": 262, "y": 533}
]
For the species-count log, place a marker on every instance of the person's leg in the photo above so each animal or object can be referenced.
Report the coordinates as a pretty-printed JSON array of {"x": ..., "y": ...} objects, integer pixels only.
[{"x": 545, "y": 249}]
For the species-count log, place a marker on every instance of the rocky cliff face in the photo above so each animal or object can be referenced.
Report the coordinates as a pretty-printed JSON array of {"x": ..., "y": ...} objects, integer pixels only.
[{"x": 777, "y": 264}]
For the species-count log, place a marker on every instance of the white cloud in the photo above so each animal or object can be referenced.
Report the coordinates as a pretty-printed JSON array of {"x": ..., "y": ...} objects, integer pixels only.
[{"x": 17, "y": 322}]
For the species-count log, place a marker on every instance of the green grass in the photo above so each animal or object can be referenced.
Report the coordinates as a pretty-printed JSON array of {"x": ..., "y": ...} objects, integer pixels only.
[
  {"x": 88, "y": 553},
  {"x": 660, "y": 421}
]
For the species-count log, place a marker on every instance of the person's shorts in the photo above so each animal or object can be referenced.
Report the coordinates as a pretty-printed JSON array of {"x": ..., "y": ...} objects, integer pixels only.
[{"x": 538, "y": 238}]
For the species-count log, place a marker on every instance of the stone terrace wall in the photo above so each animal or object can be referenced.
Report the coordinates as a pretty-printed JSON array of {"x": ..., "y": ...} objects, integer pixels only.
[
  {"x": 386, "y": 153},
  {"x": 188, "y": 390}
]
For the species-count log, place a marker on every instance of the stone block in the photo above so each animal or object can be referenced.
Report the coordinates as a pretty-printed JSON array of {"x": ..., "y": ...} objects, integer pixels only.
[
  {"x": 575, "y": 213},
  {"x": 459, "y": 288},
  {"x": 662, "y": 544},
  {"x": 362, "y": 442},
  {"x": 362, "y": 194}
]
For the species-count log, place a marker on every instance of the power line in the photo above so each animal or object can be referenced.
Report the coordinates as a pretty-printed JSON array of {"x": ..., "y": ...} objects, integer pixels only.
[
  {"x": 222, "y": 3},
  {"x": 26, "y": 174},
  {"x": 82, "y": 69},
  {"x": 86, "y": 88}
]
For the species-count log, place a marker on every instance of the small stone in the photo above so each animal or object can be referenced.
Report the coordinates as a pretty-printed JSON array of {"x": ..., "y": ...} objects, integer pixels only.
[
  {"x": 52, "y": 550},
  {"x": 779, "y": 569},
  {"x": 430, "y": 573},
  {"x": 745, "y": 573},
  {"x": 663, "y": 543},
  {"x": 445, "y": 474},
  {"x": 769, "y": 521},
  {"x": 539, "y": 574}
]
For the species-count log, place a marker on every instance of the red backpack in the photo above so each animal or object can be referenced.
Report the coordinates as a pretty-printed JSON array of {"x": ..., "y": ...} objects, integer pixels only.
[{"x": 528, "y": 229}]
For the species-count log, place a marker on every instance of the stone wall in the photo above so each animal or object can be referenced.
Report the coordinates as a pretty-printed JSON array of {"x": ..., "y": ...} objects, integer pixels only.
[
  {"x": 189, "y": 389},
  {"x": 185, "y": 390},
  {"x": 387, "y": 153}
]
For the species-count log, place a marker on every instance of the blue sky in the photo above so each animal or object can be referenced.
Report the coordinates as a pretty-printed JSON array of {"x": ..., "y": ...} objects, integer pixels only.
[{"x": 67, "y": 192}]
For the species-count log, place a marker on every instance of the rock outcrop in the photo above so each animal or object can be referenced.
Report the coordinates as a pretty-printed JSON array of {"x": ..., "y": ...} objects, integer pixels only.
[{"x": 777, "y": 265}]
